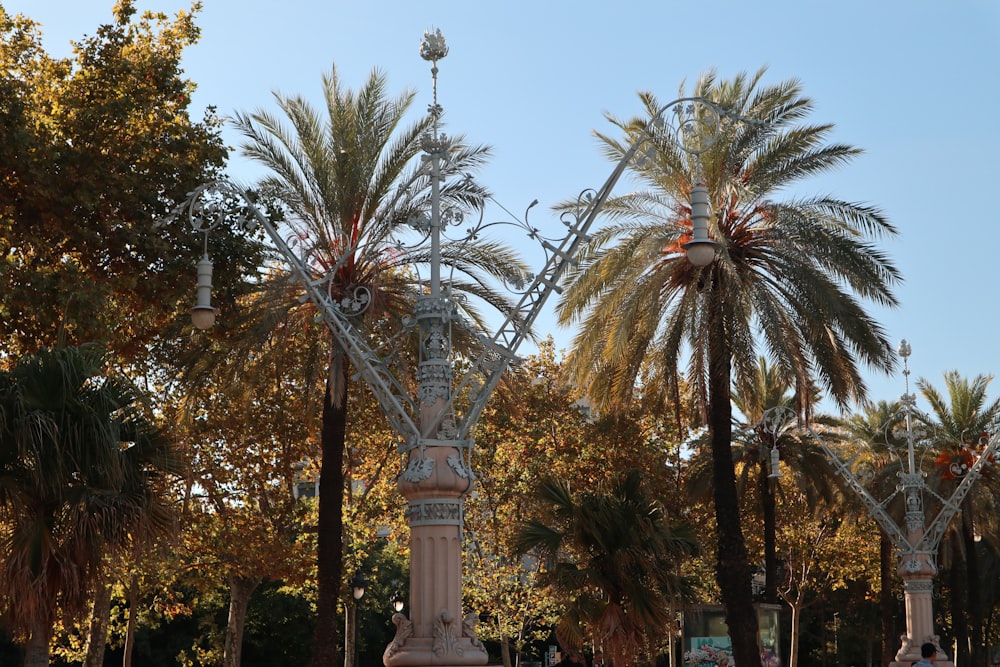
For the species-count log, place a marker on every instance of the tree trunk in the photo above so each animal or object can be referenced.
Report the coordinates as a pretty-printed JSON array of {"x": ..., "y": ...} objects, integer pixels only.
[
  {"x": 36, "y": 650},
  {"x": 97, "y": 638},
  {"x": 505, "y": 650},
  {"x": 886, "y": 602},
  {"x": 793, "y": 649},
  {"x": 958, "y": 601},
  {"x": 732, "y": 565},
  {"x": 133, "y": 604},
  {"x": 330, "y": 534},
  {"x": 769, "y": 511},
  {"x": 240, "y": 590},
  {"x": 975, "y": 605}
]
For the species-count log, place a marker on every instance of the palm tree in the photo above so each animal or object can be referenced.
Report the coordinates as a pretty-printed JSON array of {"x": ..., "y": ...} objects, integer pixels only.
[
  {"x": 80, "y": 478},
  {"x": 347, "y": 180},
  {"x": 611, "y": 558},
  {"x": 768, "y": 426},
  {"x": 875, "y": 427},
  {"x": 761, "y": 435},
  {"x": 959, "y": 422},
  {"x": 789, "y": 273}
]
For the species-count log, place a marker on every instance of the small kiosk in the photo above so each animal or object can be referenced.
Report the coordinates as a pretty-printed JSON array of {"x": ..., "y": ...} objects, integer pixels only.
[{"x": 705, "y": 637}]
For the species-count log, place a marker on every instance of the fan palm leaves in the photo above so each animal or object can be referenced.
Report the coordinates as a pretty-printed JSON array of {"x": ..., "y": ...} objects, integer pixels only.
[
  {"x": 790, "y": 279},
  {"x": 82, "y": 469},
  {"x": 612, "y": 557}
]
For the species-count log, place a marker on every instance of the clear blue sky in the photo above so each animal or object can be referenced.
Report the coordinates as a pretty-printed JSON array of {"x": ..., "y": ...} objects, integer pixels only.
[{"x": 916, "y": 83}]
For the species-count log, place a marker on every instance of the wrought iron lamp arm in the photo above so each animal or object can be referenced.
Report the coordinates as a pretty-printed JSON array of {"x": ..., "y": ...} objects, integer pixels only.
[
  {"x": 843, "y": 469},
  {"x": 935, "y": 531},
  {"x": 499, "y": 350},
  {"x": 390, "y": 394}
]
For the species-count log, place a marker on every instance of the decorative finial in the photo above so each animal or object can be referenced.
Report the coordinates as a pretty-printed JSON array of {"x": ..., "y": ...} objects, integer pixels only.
[
  {"x": 904, "y": 351},
  {"x": 433, "y": 46}
]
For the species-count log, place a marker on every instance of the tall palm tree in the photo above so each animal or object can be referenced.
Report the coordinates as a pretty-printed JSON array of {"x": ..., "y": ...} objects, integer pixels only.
[
  {"x": 960, "y": 420},
  {"x": 348, "y": 183},
  {"x": 790, "y": 273},
  {"x": 81, "y": 471},
  {"x": 611, "y": 559}
]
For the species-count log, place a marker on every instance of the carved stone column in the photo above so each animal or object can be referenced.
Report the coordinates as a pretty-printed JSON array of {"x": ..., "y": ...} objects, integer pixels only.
[
  {"x": 917, "y": 569},
  {"x": 434, "y": 482}
]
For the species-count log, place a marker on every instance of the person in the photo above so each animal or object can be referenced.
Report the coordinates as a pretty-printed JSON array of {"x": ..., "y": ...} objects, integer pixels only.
[{"x": 927, "y": 651}]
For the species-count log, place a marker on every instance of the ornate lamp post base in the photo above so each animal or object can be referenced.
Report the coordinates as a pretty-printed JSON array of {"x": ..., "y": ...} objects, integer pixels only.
[
  {"x": 918, "y": 591},
  {"x": 448, "y": 646}
]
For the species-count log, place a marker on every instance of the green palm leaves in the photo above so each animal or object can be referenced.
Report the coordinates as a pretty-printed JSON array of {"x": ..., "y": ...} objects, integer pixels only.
[
  {"x": 787, "y": 280},
  {"x": 81, "y": 468},
  {"x": 612, "y": 556}
]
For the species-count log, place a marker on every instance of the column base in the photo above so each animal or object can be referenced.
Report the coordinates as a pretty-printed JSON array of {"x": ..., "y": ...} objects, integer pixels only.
[
  {"x": 453, "y": 644},
  {"x": 419, "y": 651}
]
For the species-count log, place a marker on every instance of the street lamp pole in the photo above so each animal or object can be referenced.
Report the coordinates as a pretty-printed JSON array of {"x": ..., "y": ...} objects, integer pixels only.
[
  {"x": 358, "y": 585},
  {"x": 436, "y": 427},
  {"x": 916, "y": 540}
]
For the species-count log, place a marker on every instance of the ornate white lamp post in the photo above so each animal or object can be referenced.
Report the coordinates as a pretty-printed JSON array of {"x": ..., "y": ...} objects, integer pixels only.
[
  {"x": 436, "y": 427},
  {"x": 916, "y": 540}
]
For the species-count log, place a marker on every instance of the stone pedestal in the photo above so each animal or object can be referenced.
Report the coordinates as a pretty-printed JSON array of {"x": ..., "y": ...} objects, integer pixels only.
[
  {"x": 917, "y": 570},
  {"x": 436, "y": 633},
  {"x": 434, "y": 482}
]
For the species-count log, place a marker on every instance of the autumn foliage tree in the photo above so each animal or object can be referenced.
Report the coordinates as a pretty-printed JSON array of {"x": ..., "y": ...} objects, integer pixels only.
[
  {"x": 97, "y": 147},
  {"x": 537, "y": 426}
]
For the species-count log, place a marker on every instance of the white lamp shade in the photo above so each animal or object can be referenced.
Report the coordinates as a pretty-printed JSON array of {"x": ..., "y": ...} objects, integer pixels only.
[
  {"x": 700, "y": 253},
  {"x": 203, "y": 317}
]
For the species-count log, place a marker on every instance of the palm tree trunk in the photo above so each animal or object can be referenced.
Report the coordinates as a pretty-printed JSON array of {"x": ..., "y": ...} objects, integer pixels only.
[
  {"x": 769, "y": 511},
  {"x": 975, "y": 605},
  {"x": 133, "y": 609},
  {"x": 36, "y": 650},
  {"x": 330, "y": 534},
  {"x": 97, "y": 638},
  {"x": 240, "y": 590},
  {"x": 886, "y": 602},
  {"x": 732, "y": 564},
  {"x": 958, "y": 602}
]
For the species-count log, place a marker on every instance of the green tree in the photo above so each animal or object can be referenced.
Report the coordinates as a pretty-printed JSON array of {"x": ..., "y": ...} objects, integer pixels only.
[
  {"x": 96, "y": 148},
  {"x": 962, "y": 421},
  {"x": 823, "y": 549},
  {"x": 348, "y": 180},
  {"x": 611, "y": 557},
  {"x": 534, "y": 427},
  {"x": 81, "y": 475},
  {"x": 789, "y": 273}
]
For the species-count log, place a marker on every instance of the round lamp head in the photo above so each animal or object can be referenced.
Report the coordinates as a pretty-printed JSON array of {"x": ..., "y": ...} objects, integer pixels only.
[
  {"x": 203, "y": 317},
  {"x": 358, "y": 585},
  {"x": 398, "y": 602},
  {"x": 701, "y": 252}
]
